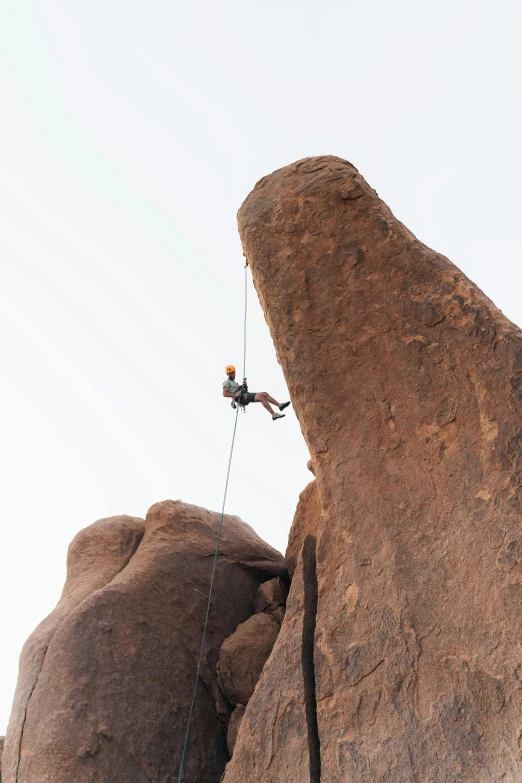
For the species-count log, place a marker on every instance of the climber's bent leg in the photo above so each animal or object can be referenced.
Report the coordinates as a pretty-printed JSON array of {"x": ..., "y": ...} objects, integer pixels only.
[
  {"x": 260, "y": 396},
  {"x": 265, "y": 399}
]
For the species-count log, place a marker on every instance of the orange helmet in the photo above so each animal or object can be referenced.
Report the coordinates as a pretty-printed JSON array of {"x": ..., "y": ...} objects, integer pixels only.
[{"x": 229, "y": 368}]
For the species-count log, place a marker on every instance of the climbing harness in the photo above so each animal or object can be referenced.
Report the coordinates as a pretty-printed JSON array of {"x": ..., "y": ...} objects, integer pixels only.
[
  {"x": 240, "y": 402},
  {"x": 216, "y": 553}
]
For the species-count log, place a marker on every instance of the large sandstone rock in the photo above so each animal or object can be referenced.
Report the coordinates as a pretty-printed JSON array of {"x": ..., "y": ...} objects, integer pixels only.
[
  {"x": 243, "y": 656},
  {"x": 96, "y": 556},
  {"x": 407, "y": 382},
  {"x": 105, "y": 682}
]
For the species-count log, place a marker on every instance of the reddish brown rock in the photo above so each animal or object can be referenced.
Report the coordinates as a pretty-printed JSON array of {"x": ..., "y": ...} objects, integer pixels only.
[
  {"x": 407, "y": 382},
  {"x": 1, "y": 754},
  {"x": 105, "y": 695},
  {"x": 271, "y": 598},
  {"x": 276, "y": 741},
  {"x": 243, "y": 656},
  {"x": 96, "y": 556},
  {"x": 233, "y": 727},
  {"x": 306, "y": 521}
]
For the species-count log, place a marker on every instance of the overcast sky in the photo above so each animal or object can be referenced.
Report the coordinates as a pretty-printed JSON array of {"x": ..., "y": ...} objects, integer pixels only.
[{"x": 130, "y": 133}]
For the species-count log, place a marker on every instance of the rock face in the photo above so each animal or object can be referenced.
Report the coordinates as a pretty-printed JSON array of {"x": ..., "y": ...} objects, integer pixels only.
[
  {"x": 277, "y": 738},
  {"x": 243, "y": 656},
  {"x": 306, "y": 520},
  {"x": 1, "y": 754},
  {"x": 95, "y": 557},
  {"x": 271, "y": 598},
  {"x": 406, "y": 664},
  {"x": 233, "y": 726},
  {"x": 105, "y": 682}
]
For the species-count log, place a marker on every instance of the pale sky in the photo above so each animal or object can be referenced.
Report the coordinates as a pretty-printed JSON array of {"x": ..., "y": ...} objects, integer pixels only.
[{"x": 130, "y": 133}]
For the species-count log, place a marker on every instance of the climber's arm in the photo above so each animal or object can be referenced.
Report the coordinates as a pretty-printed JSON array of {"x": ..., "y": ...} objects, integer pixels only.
[{"x": 228, "y": 393}]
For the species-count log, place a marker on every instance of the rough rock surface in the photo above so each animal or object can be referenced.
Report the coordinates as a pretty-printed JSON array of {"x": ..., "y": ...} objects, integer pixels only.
[
  {"x": 277, "y": 738},
  {"x": 407, "y": 382},
  {"x": 243, "y": 655},
  {"x": 96, "y": 556},
  {"x": 1, "y": 754},
  {"x": 271, "y": 598},
  {"x": 105, "y": 681},
  {"x": 233, "y": 726},
  {"x": 306, "y": 521}
]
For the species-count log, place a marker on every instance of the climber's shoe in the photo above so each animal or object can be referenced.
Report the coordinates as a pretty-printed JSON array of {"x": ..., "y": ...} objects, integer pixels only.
[
  {"x": 278, "y": 416},
  {"x": 284, "y": 405}
]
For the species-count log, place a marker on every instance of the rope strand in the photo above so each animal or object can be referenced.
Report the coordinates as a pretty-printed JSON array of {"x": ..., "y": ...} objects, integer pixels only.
[
  {"x": 214, "y": 564},
  {"x": 245, "y": 324},
  {"x": 205, "y": 626}
]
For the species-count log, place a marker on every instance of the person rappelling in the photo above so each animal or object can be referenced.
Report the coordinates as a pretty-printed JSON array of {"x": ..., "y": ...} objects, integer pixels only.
[{"x": 240, "y": 395}]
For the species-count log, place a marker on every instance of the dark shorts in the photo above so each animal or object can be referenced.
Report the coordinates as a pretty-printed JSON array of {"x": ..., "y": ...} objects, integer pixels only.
[{"x": 250, "y": 397}]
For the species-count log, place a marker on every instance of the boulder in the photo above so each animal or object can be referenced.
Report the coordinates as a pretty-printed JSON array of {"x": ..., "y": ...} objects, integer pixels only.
[
  {"x": 407, "y": 382},
  {"x": 271, "y": 598},
  {"x": 95, "y": 557},
  {"x": 233, "y": 727},
  {"x": 243, "y": 656},
  {"x": 105, "y": 682}
]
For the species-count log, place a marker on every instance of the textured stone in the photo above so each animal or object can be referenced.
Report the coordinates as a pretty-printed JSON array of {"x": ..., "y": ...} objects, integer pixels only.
[
  {"x": 276, "y": 733},
  {"x": 243, "y": 656},
  {"x": 1, "y": 754},
  {"x": 96, "y": 556},
  {"x": 407, "y": 382},
  {"x": 106, "y": 681},
  {"x": 306, "y": 521},
  {"x": 233, "y": 727},
  {"x": 278, "y": 614},
  {"x": 271, "y": 598}
]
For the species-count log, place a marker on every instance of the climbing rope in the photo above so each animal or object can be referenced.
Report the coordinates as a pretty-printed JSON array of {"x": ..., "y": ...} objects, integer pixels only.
[
  {"x": 205, "y": 625},
  {"x": 245, "y": 323},
  {"x": 214, "y": 564}
]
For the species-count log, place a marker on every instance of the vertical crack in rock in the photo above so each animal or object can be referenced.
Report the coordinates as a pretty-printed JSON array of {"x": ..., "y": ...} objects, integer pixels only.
[
  {"x": 24, "y": 719},
  {"x": 124, "y": 564},
  {"x": 307, "y": 656}
]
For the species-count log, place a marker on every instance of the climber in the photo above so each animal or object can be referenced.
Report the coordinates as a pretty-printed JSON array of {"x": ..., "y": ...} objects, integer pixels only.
[{"x": 234, "y": 391}]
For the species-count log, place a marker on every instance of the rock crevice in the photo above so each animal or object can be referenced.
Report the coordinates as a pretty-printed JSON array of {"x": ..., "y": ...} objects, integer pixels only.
[
  {"x": 307, "y": 656},
  {"x": 244, "y": 654}
]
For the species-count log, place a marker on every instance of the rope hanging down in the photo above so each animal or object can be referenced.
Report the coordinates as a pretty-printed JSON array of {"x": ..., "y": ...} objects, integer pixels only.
[
  {"x": 245, "y": 323},
  {"x": 214, "y": 564}
]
